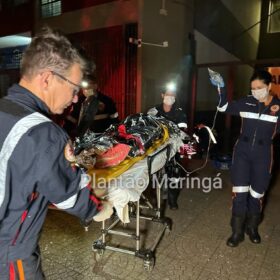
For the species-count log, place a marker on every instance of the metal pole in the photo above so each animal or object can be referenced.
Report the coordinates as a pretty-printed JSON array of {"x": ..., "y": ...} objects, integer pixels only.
[
  {"x": 138, "y": 226},
  {"x": 103, "y": 232},
  {"x": 158, "y": 199},
  {"x": 193, "y": 98}
]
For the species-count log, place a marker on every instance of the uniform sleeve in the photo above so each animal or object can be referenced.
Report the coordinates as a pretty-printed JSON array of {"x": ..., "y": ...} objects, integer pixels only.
[
  {"x": 278, "y": 124},
  {"x": 87, "y": 115},
  {"x": 232, "y": 108},
  {"x": 61, "y": 184},
  {"x": 182, "y": 119},
  {"x": 112, "y": 110},
  {"x": 91, "y": 110}
]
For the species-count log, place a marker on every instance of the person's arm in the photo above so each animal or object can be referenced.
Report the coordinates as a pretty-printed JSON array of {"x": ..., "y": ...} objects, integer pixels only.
[
  {"x": 63, "y": 185},
  {"x": 182, "y": 119},
  {"x": 112, "y": 111},
  {"x": 87, "y": 115},
  {"x": 278, "y": 123},
  {"x": 223, "y": 106},
  {"x": 233, "y": 107}
]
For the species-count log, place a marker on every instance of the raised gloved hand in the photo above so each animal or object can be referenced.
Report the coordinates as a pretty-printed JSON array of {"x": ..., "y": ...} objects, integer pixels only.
[{"x": 216, "y": 79}]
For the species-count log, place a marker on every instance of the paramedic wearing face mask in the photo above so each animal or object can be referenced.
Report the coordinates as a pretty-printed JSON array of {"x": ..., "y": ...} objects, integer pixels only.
[
  {"x": 169, "y": 109},
  {"x": 252, "y": 157}
]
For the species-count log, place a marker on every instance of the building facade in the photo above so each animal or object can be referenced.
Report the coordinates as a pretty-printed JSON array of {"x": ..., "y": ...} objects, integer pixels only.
[{"x": 140, "y": 45}]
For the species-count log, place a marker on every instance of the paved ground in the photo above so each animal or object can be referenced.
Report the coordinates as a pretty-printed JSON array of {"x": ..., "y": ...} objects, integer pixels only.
[{"x": 195, "y": 248}]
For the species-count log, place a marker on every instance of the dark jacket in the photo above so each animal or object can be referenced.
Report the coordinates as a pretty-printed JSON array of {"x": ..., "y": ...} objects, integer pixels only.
[
  {"x": 175, "y": 115},
  {"x": 259, "y": 122},
  {"x": 34, "y": 173},
  {"x": 97, "y": 114}
]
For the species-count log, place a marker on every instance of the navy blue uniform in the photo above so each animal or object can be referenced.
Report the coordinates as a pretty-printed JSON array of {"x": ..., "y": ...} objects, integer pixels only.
[
  {"x": 253, "y": 153},
  {"x": 177, "y": 116},
  {"x": 33, "y": 173}
]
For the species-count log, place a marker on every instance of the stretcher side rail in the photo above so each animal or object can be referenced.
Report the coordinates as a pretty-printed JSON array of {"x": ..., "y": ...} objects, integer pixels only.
[{"x": 148, "y": 255}]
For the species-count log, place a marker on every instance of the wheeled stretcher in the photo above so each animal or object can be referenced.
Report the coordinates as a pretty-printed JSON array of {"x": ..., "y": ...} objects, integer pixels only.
[{"x": 133, "y": 205}]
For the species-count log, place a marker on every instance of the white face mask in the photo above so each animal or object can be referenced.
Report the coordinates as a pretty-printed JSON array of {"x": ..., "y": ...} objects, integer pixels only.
[
  {"x": 260, "y": 94},
  {"x": 169, "y": 100}
]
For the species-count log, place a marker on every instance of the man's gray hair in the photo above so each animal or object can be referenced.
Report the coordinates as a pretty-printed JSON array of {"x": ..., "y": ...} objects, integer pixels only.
[{"x": 50, "y": 50}]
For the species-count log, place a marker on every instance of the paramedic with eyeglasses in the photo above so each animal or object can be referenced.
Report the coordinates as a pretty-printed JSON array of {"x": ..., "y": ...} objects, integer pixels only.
[{"x": 34, "y": 170}]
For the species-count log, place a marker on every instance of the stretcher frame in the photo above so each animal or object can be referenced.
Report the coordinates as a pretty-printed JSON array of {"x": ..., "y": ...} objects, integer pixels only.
[{"x": 148, "y": 255}]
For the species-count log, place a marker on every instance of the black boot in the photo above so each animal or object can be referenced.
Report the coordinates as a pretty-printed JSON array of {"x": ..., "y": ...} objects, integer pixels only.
[
  {"x": 252, "y": 228},
  {"x": 172, "y": 198},
  {"x": 173, "y": 185},
  {"x": 237, "y": 224}
]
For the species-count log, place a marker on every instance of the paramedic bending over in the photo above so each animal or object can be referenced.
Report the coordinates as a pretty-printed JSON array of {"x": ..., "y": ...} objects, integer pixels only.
[
  {"x": 33, "y": 167},
  {"x": 171, "y": 111},
  {"x": 252, "y": 158}
]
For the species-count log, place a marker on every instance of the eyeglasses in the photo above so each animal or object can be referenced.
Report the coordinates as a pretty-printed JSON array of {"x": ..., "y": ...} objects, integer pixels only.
[{"x": 76, "y": 88}]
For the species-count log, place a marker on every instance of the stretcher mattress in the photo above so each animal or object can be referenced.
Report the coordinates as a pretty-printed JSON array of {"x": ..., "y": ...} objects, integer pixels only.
[{"x": 129, "y": 185}]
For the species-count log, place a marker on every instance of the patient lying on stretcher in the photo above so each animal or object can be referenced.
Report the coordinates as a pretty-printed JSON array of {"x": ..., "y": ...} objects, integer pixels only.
[{"x": 117, "y": 155}]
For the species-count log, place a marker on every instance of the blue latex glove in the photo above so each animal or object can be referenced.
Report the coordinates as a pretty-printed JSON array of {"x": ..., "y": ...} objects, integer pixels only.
[{"x": 216, "y": 79}]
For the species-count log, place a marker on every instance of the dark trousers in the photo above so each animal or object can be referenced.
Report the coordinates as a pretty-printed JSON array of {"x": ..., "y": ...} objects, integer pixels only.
[
  {"x": 174, "y": 174},
  {"x": 250, "y": 174},
  {"x": 25, "y": 269}
]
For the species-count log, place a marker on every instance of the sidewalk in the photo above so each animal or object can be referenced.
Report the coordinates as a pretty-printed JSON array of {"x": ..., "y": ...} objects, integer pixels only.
[{"x": 195, "y": 249}]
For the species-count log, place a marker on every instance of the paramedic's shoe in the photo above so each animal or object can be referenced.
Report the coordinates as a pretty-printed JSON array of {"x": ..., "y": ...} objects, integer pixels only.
[
  {"x": 252, "y": 228},
  {"x": 237, "y": 224},
  {"x": 254, "y": 235},
  {"x": 105, "y": 213},
  {"x": 173, "y": 207},
  {"x": 235, "y": 239}
]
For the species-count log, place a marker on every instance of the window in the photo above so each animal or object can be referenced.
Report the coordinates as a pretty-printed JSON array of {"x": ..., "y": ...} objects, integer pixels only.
[
  {"x": 50, "y": 8},
  {"x": 274, "y": 17},
  {"x": 10, "y": 57}
]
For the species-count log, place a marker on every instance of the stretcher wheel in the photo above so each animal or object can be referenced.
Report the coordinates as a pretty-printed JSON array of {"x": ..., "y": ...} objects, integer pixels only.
[
  {"x": 168, "y": 225},
  {"x": 98, "y": 255},
  {"x": 167, "y": 231},
  {"x": 149, "y": 264}
]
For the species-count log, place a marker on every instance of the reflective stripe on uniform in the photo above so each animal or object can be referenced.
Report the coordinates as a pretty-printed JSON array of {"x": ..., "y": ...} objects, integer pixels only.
[
  {"x": 240, "y": 189},
  {"x": 20, "y": 270},
  {"x": 255, "y": 194},
  {"x": 11, "y": 141},
  {"x": 256, "y": 116},
  {"x": 223, "y": 108},
  {"x": 12, "y": 271},
  {"x": 269, "y": 118},
  {"x": 68, "y": 203}
]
